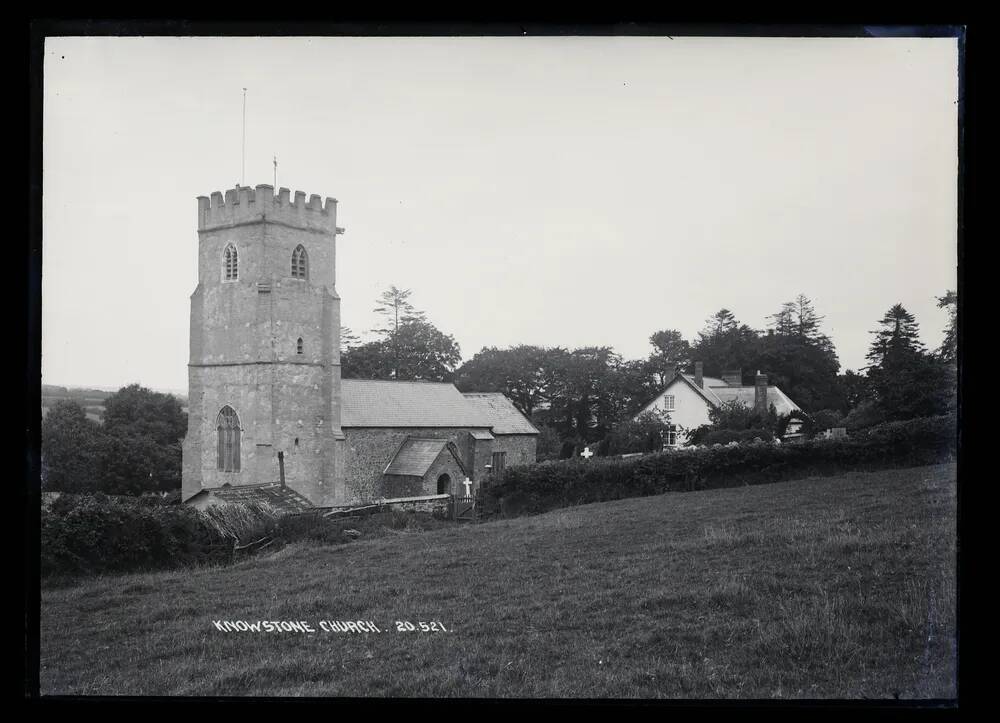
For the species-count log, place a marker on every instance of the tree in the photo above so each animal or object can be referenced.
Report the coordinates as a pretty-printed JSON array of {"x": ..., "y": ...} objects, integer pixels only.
[
  {"x": 735, "y": 421},
  {"x": 579, "y": 385},
  {"x": 348, "y": 339},
  {"x": 899, "y": 336},
  {"x": 645, "y": 433},
  {"x": 724, "y": 344},
  {"x": 853, "y": 389},
  {"x": 69, "y": 449},
  {"x": 394, "y": 304},
  {"x": 671, "y": 352},
  {"x": 948, "y": 350},
  {"x": 518, "y": 372},
  {"x": 423, "y": 352},
  {"x": 905, "y": 381},
  {"x": 371, "y": 360},
  {"x": 417, "y": 350},
  {"x": 798, "y": 357},
  {"x": 130, "y": 454},
  {"x": 137, "y": 411}
]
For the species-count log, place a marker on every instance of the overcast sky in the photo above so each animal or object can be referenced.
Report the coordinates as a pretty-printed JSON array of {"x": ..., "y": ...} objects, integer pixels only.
[{"x": 569, "y": 191}]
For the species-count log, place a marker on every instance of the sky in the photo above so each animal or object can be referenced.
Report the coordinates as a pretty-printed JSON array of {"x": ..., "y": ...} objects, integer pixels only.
[{"x": 558, "y": 191}]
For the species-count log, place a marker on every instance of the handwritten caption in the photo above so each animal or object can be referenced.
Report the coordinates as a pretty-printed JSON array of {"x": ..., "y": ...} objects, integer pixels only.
[{"x": 326, "y": 626}]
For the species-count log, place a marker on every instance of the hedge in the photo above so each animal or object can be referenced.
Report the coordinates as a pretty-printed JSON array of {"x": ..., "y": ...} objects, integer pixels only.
[
  {"x": 551, "y": 485},
  {"x": 87, "y": 534}
]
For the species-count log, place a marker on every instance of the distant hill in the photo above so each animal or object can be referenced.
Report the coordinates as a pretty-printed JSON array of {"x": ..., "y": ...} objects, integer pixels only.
[{"x": 92, "y": 400}]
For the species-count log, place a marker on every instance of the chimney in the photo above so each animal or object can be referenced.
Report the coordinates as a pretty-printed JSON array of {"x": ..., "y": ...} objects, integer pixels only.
[
  {"x": 733, "y": 377},
  {"x": 760, "y": 393},
  {"x": 698, "y": 377}
]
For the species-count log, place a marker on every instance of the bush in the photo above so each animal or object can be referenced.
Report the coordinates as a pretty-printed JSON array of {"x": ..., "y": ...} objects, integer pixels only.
[
  {"x": 542, "y": 487},
  {"x": 83, "y": 534},
  {"x": 726, "y": 436},
  {"x": 97, "y": 533}
]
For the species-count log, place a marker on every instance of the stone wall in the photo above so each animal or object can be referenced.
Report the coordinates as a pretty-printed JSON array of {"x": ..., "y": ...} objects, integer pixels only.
[
  {"x": 368, "y": 450},
  {"x": 437, "y": 505},
  {"x": 398, "y": 485},
  {"x": 521, "y": 449}
]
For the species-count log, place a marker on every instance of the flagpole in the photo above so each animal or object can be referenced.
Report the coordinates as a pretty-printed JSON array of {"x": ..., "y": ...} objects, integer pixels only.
[{"x": 243, "y": 148}]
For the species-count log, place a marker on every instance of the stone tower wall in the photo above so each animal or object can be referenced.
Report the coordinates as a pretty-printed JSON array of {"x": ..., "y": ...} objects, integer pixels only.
[{"x": 244, "y": 336}]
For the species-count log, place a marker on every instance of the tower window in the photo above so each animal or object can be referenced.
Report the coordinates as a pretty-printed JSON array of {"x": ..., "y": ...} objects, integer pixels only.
[
  {"x": 231, "y": 263},
  {"x": 298, "y": 346},
  {"x": 228, "y": 427},
  {"x": 300, "y": 263}
]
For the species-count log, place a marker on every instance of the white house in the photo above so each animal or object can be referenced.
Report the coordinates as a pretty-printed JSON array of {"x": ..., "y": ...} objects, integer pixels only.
[{"x": 688, "y": 398}]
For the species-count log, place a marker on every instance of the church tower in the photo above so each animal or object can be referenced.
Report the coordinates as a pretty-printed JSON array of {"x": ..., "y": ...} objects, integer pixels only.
[{"x": 264, "y": 373}]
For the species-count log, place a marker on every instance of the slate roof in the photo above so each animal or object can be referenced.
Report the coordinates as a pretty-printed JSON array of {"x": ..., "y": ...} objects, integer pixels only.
[
  {"x": 502, "y": 415},
  {"x": 415, "y": 456},
  {"x": 378, "y": 403},
  {"x": 716, "y": 391},
  {"x": 282, "y": 499},
  {"x": 782, "y": 404}
]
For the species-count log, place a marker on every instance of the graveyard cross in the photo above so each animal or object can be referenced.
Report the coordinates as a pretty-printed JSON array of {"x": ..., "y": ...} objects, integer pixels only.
[
  {"x": 468, "y": 487},
  {"x": 586, "y": 453}
]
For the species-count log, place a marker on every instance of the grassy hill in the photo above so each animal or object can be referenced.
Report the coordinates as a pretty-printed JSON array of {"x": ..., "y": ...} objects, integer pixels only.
[{"x": 828, "y": 587}]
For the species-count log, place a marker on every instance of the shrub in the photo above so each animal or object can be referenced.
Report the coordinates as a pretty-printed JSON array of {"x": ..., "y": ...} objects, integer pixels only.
[
  {"x": 97, "y": 533},
  {"x": 543, "y": 487},
  {"x": 83, "y": 534},
  {"x": 726, "y": 436}
]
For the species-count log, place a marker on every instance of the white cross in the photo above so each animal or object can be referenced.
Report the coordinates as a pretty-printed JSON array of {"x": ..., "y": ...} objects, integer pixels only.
[
  {"x": 468, "y": 487},
  {"x": 586, "y": 453}
]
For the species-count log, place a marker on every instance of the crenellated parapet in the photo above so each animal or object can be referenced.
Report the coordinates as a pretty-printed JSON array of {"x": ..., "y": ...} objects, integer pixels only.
[{"x": 252, "y": 205}]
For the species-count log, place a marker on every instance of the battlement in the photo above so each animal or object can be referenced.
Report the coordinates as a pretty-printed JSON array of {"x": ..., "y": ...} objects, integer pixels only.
[{"x": 247, "y": 205}]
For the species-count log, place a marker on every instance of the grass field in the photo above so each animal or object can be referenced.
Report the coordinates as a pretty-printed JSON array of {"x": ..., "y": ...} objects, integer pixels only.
[{"x": 834, "y": 587}]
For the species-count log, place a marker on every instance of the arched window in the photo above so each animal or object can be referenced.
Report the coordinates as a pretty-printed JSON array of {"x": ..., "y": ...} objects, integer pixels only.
[
  {"x": 298, "y": 346},
  {"x": 444, "y": 484},
  {"x": 228, "y": 426},
  {"x": 300, "y": 263},
  {"x": 231, "y": 263}
]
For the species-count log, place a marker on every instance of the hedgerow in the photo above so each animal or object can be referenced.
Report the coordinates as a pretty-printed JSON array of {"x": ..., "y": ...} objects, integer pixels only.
[
  {"x": 87, "y": 534},
  {"x": 83, "y": 534},
  {"x": 551, "y": 485}
]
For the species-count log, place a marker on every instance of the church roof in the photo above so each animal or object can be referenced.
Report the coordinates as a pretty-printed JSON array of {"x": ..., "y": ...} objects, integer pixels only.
[
  {"x": 503, "y": 416},
  {"x": 415, "y": 456},
  {"x": 379, "y": 403}
]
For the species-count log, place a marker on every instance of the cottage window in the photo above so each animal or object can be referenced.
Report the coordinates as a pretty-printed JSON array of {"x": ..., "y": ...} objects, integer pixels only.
[
  {"x": 300, "y": 263},
  {"x": 668, "y": 402},
  {"x": 228, "y": 427},
  {"x": 671, "y": 436},
  {"x": 231, "y": 263}
]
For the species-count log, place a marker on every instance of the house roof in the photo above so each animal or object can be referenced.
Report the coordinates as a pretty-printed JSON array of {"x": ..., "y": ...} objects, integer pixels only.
[
  {"x": 282, "y": 499},
  {"x": 500, "y": 412},
  {"x": 415, "y": 456},
  {"x": 380, "y": 403},
  {"x": 716, "y": 391},
  {"x": 782, "y": 404}
]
